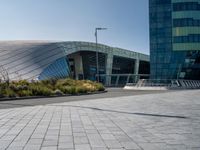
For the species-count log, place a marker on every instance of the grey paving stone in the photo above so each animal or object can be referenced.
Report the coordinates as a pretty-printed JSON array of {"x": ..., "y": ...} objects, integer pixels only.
[
  {"x": 8, "y": 137},
  {"x": 18, "y": 144},
  {"x": 99, "y": 148},
  {"x": 66, "y": 139},
  {"x": 82, "y": 147},
  {"x": 4, "y": 144},
  {"x": 130, "y": 145},
  {"x": 91, "y": 131},
  {"x": 66, "y": 145},
  {"x": 163, "y": 121},
  {"x": 65, "y": 149},
  {"x": 33, "y": 141},
  {"x": 81, "y": 134},
  {"x": 117, "y": 149},
  {"x": 95, "y": 140},
  {"x": 32, "y": 147},
  {"x": 148, "y": 146},
  {"x": 107, "y": 137},
  {"x": 49, "y": 148},
  {"x": 50, "y": 143},
  {"x": 113, "y": 144},
  {"x": 15, "y": 148},
  {"x": 80, "y": 140}
]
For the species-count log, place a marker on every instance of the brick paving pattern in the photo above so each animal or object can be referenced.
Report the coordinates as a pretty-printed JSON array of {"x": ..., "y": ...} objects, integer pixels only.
[{"x": 165, "y": 121}]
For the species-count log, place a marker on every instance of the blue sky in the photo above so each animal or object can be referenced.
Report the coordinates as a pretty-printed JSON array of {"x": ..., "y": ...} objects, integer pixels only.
[{"x": 75, "y": 20}]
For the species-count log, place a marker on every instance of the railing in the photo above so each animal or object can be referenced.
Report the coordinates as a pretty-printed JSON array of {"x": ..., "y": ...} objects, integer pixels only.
[
  {"x": 191, "y": 84},
  {"x": 168, "y": 83},
  {"x": 119, "y": 80},
  {"x": 154, "y": 82}
]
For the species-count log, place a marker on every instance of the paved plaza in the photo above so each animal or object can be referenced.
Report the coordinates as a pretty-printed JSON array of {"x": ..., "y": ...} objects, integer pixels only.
[{"x": 165, "y": 121}]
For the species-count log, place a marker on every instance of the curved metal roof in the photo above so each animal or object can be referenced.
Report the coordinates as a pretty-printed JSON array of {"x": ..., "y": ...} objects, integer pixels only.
[{"x": 27, "y": 59}]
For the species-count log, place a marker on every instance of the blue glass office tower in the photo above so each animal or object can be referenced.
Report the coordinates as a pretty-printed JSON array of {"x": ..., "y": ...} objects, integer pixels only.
[{"x": 175, "y": 39}]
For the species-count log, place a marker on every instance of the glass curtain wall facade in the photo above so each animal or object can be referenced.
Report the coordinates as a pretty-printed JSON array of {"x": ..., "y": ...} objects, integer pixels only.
[
  {"x": 90, "y": 65},
  {"x": 57, "y": 70},
  {"x": 175, "y": 39}
]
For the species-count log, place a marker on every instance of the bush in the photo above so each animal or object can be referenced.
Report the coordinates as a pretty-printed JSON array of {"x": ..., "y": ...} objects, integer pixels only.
[
  {"x": 89, "y": 87},
  {"x": 72, "y": 90},
  {"x": 22, "y": 87},
  {"x": 81, "y": 89},
  {"x": 3, "y": 86},
  {"x": 13, "y": 87},
  {"x": 24, "y": 93},
  {"x": 20, "y": 82},
  {"x": 99, "y": 87},
  {"x": 49, "y": 83},
  {"x": 58, "y": 92},
  {"x": 65, "y": 82},
  {"x": 39, "y": 90},
  {"x": 48, "y": 87},
  {"x": 9, "y": 93},
  {"x": 63, "y": 89},
  {"x": 68, "y": 89}
]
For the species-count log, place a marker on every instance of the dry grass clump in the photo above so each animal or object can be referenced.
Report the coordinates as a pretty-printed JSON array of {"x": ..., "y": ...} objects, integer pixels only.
[{"x": 52, "y": 87}]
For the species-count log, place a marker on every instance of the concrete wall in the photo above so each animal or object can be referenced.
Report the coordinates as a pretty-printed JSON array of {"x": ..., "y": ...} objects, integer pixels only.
[{"x": 78, "y": 63}]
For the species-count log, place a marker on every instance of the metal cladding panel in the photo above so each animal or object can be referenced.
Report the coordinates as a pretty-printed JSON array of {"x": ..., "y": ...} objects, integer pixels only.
[
  {"x": 72, "y": 47},
  {"x": 26, "y": 60}
]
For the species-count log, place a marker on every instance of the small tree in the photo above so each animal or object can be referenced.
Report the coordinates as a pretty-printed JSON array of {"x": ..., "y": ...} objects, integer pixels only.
[{"x": 4, "y": 76}]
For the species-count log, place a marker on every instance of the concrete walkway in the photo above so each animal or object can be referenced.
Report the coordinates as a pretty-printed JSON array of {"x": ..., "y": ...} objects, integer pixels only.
[
  {"x": 111, "y": 92},
  {"x": 166, "y": 121}
]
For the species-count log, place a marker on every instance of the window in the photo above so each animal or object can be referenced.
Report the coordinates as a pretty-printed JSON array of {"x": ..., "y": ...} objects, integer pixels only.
[
  {"x": 192, "y": 38},
  {"x": 186, "y": 22},
  {"x": 185, "y": 6}
]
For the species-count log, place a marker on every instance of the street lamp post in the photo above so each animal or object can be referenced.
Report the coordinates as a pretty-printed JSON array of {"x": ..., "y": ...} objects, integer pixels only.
[{"x": 97, "y": 55}]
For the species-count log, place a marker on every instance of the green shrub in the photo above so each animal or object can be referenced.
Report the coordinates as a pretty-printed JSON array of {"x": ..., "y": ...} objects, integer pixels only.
[
  {"x": 2, "y": 92},
  {"x": 20, "y": 82},
  {"x": 49, "y": 83},
  {"x": 65, "y": 82},
  {"x": 72, "y": 90},
  {"x": 58, "y": 92},
  {"x": 62, "y": 89},
  {"x": 49, "y": 87},
  {"x": 22, "y": 87},
  {"x": 81, "y": 89},
  {"x": 99, "y": 87},
  {"x": 46, "y": 82},
  {"x": 18, "y": 87},
  {"x": 40, "y": 90},
  {"x": 3, "y": 85},
  {"x": 68, "y": 89},
  {"x": 9, "y": 93},
  {"x": 13, "y": 87},
  {"x": 24, "y": 93},
  {"x": 89, "y": 87}
]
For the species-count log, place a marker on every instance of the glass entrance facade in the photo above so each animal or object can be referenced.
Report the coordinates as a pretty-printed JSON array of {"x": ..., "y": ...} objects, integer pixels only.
[{"x": 90, "y": 65}]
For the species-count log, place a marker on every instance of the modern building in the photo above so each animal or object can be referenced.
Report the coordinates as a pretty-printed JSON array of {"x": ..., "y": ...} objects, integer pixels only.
[
  {"x": 40, "y": 60},
  {"x": 174, "y": 39}
]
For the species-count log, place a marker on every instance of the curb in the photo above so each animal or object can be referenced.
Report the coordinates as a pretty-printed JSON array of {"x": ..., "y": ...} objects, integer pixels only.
[{"x": 37, "y": 97}]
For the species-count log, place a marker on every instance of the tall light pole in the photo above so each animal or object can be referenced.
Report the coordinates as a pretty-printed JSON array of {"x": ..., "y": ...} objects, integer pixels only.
[{"x": 97, "y": 56}]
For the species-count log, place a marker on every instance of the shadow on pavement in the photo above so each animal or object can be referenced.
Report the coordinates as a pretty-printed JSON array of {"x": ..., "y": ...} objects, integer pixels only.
[{"x": 124, "y": 112}]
